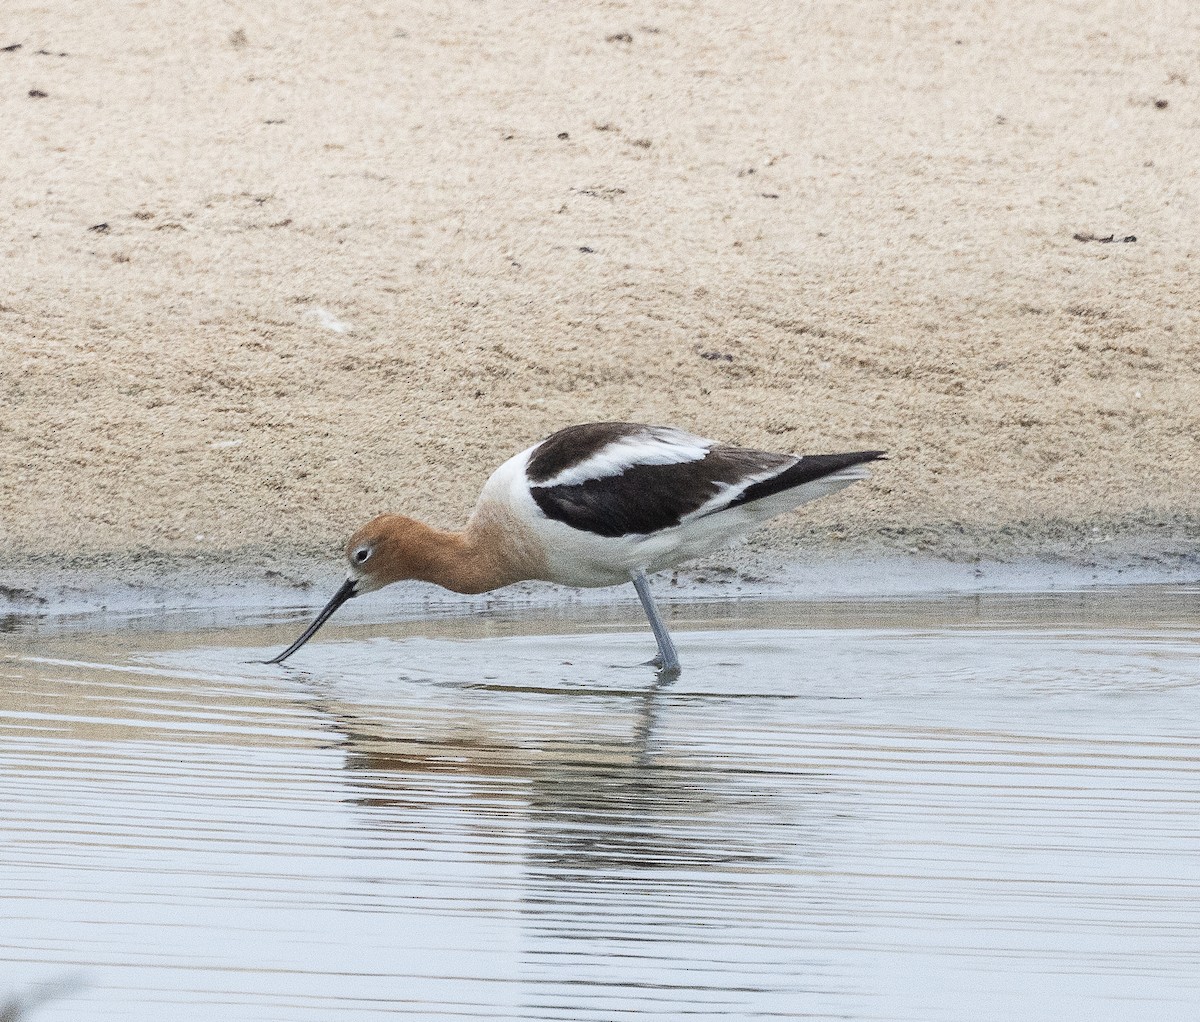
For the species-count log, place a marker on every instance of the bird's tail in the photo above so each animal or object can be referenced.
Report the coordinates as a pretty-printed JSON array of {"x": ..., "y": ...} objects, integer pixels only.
[{"x": 833, "y": 471}]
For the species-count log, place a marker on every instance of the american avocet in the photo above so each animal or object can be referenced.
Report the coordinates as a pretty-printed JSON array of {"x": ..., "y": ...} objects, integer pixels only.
[{"x": 595, "y": 505}]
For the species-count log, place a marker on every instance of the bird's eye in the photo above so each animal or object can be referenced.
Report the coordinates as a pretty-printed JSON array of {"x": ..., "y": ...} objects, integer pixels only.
[{"x": 361, "y": 554}]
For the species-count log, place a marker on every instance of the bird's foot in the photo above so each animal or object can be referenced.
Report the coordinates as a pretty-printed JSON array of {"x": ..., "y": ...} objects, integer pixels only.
[
  {"x": 667, "y": 670},
  {"x": 667, "y": 673}
]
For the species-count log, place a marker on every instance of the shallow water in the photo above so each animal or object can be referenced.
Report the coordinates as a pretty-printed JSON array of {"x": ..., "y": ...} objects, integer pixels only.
[{"x": 981, "y": 808}]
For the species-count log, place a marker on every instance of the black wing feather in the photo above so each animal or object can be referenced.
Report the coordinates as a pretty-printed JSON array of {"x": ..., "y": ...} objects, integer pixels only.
[
  {"x": 647, "y": 498},
  {"x": 808, "y": 469},
  {"x": 574, "y": 445}
]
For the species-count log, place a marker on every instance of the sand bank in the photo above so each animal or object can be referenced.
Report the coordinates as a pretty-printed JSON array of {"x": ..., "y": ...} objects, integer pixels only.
[{"x": 270, "y": 269}]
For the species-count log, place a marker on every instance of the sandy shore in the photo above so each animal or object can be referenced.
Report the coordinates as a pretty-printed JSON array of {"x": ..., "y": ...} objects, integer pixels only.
[{"x": 270, "y": 269}]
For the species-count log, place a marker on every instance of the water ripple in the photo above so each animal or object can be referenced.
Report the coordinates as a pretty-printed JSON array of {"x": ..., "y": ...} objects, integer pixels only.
[{"x": 915, "y": 818}]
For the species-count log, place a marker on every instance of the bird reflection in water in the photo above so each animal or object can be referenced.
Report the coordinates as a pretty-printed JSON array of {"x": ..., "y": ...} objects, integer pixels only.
[{"x": 635, "y": 858}]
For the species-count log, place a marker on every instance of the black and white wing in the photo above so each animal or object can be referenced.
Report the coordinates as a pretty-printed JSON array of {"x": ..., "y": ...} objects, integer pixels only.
[{"x": 619, "y": 479}]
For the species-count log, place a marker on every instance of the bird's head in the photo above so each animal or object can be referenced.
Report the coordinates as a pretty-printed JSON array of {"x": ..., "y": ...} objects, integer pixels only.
[
  {"x": 390, "y": 548},
  {"x": 387, "y": 549}
]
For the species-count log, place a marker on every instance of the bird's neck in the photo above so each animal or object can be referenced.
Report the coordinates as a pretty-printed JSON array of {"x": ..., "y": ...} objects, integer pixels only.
[
  {"x": 484, "y": 556},
  {"x": 450, "y": 560}
]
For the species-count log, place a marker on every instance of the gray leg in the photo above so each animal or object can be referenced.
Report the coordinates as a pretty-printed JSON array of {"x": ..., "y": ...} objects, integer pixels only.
[{"x": 667, "y": 659}]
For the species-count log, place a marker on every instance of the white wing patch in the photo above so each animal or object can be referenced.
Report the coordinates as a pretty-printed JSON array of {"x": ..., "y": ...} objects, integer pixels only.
[{"x": 653, "y": 446}]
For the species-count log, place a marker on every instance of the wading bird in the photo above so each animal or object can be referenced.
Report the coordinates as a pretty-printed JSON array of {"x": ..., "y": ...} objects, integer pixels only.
[{"x": 595, "y": 505}]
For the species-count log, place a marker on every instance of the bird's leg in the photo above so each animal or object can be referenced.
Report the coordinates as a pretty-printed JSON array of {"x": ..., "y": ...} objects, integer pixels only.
[{"x": 667, "y": 659}]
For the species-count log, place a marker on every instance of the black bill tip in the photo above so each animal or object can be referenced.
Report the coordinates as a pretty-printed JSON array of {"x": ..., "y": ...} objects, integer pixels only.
[{"x": 349, "y": 588}]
